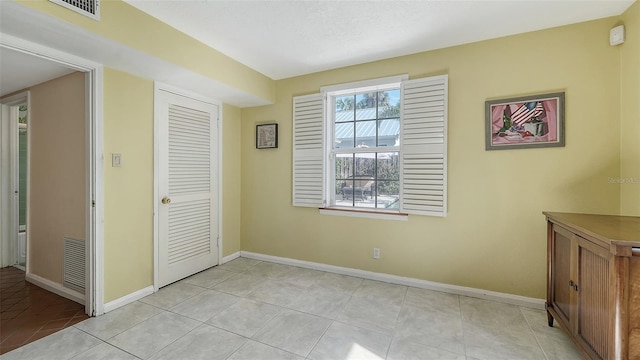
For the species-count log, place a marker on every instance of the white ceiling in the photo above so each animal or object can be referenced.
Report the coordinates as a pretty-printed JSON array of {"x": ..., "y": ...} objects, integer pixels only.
[
  {"x": 287, "y": 38},
  {"x": 38, "y": 33},
  {"x": 284, "y": 38},
  {"x": 19, "y": 71}
]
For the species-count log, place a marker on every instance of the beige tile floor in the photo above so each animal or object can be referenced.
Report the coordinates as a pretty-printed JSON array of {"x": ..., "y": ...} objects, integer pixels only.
[{"x": 252, "y": 310}]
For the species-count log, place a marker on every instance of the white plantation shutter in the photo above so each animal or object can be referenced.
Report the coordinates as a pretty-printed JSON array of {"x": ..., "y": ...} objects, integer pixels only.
[
  {"x": 423, "y": 158},
  {"x": 308, "y": 151}
]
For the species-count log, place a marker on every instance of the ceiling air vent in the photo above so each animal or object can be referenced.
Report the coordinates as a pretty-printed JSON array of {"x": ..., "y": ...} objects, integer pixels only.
[{"x": 90, "y": 8}]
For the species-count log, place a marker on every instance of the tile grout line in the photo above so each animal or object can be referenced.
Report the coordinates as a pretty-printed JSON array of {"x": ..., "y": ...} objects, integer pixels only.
[
  {"x": 281, "y": 309},
  {"x": 393, "y": 333},
  {"x": 318, "y": 341},
  {"x": 182, "y": 336},
  {"x": 464, "y": 342},
  {"x": 535, "y": 336},
  {"x": 287, "y": 308},
  {"x": 102, "y": 342},
  {"x": 118, "y": 333}
]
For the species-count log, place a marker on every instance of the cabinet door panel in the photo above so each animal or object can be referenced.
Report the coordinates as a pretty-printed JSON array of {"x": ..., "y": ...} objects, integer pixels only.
[
  {"x": 593, "y": 299},
  {"x": 561, "y": 271},
  {"x": 634, "y": 305}
]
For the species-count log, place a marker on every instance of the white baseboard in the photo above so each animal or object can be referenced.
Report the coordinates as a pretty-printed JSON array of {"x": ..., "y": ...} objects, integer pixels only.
[
  {"x": 128, "y": 299},
  {"x": 228, "y": 258},
  {"x": 56, "y": 288},
  {"x": 18, "y": 266},
  {"x": 137, "y": 295},
  {"x": 401, "y": 280}
]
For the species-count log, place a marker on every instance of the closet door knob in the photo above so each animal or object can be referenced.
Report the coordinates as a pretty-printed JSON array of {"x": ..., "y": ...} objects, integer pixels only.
[{"x": 166, "y": 200}]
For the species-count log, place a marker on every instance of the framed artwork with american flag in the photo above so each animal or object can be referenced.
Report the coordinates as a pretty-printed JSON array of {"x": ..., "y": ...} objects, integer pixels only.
[{"x": 525, "y": 122}]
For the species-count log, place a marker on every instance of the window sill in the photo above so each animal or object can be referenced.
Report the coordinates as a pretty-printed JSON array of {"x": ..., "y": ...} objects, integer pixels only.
[{"x": 382, "y": 215}]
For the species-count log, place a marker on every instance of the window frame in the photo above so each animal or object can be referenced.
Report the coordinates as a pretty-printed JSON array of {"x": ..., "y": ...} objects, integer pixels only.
[{"x": 330, "y": 94}]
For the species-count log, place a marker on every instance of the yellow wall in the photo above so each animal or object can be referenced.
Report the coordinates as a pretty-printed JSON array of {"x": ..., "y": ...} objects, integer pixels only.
[
  {"x": 494, "y": 235},
  {"x": 128, "y": 190},
  {"x": 231, "y": 133},
  {"x": 126, "y": 24},
  {"x": 128, "y": 130},
  {"x": 57, "y": 193},
  {"x": 630, "y": 113}
]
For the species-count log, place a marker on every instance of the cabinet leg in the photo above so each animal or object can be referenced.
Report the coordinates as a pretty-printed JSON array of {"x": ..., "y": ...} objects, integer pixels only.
[{"x": 549, "y": 319}]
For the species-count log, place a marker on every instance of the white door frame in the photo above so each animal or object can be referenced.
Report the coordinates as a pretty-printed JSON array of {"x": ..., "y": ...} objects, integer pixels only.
[
  {"x": 94, "y": 290},
  {"x": 159, "y": 86},
  {"x": 10, "y": 209}
]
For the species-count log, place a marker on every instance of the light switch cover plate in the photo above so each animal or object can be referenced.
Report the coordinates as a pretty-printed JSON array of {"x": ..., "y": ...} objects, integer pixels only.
[{"x": 116, "y": 160}]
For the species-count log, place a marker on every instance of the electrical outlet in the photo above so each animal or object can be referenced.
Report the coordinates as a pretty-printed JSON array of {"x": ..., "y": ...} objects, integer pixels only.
[{"x": 376, "y": 253}]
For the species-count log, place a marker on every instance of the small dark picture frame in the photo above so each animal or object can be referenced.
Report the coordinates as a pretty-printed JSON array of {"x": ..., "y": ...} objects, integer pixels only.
[{"x": 266, "y": 136}]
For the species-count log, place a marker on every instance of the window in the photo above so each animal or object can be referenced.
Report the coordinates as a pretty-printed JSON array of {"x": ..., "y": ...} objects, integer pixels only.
[
  {"x": 375, "y": 145},
  {"x": 365, "y": 148}
]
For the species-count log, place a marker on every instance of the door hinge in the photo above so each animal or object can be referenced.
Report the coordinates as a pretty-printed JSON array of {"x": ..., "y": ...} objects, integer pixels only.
[
  {"x": 218, "y": 242},
  {"x": 93, "y": 203}
]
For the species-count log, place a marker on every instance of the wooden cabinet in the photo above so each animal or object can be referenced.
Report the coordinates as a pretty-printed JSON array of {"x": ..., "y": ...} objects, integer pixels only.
[{"x": 593, "y": 282}]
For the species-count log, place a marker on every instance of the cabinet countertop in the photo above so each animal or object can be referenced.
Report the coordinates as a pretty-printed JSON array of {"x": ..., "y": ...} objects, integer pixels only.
[{"x": 613, "y": 229}]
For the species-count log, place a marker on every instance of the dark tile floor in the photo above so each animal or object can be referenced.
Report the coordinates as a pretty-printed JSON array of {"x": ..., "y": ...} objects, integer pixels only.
[{"x": 28, "y": 313}]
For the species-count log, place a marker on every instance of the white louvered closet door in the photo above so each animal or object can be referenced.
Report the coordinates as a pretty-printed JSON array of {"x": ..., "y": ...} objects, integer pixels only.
[{"x": 188, "y": 188}]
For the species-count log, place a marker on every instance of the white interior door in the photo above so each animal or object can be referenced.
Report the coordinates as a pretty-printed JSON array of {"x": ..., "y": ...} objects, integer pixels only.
[
  {"x": 9, "y": 195},
  {"x": 8, "y": 229},
  {"x": 188, "y": 186}
]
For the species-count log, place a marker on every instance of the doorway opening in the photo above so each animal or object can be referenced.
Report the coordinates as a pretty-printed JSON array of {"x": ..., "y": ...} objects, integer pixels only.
[
  {"x": 15, "y": 189},
  {"x": 14, "y": 158}
]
